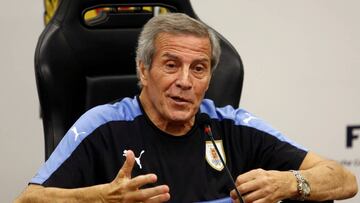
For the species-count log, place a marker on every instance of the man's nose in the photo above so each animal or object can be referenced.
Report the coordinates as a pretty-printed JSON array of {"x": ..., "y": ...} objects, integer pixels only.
[{"x": 184, "y": 79}]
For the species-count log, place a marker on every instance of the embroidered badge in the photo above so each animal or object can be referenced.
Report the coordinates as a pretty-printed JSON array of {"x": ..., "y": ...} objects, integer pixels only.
[{"x": 212, "y": 156}]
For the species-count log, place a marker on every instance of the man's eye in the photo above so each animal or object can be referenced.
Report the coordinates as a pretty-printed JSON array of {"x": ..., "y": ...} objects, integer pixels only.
[
  {"x": 199, "y": 68},
  {"x": 171, "y": 65}
]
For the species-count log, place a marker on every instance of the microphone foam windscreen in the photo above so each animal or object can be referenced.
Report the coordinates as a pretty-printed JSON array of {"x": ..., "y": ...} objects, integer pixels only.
[{"x": 203, "y": 119}]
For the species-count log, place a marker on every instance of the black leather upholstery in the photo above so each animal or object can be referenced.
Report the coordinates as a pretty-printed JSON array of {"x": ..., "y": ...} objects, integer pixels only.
[{"x": 78, "y": 67}]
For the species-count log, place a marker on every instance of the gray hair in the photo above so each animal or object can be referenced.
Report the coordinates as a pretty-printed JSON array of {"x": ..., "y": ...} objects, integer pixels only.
[{"x": 173, "y": 23}]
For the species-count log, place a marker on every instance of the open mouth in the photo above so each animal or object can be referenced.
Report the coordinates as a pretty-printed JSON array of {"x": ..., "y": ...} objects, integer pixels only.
[{"x": 179, "y": 99}]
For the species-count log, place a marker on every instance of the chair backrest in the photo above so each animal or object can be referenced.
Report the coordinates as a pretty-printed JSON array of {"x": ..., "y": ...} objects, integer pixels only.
[{"x": 81, "y": 63}]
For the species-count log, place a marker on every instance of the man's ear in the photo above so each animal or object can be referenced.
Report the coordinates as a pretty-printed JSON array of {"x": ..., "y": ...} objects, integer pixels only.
[{"x": 143, "y": 73}]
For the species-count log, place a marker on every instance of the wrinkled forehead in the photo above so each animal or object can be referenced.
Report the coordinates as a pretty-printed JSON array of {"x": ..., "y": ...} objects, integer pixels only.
[
  {"x": 170, "y": 35},
  {"x": 183, "y": 43}
]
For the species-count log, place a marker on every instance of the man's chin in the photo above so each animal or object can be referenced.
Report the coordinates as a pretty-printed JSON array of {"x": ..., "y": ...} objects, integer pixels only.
[{"x": 181, "y": 117}]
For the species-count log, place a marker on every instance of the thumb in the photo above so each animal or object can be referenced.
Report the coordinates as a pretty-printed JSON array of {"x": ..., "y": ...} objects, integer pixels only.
[{"x": 125, "y": 171}]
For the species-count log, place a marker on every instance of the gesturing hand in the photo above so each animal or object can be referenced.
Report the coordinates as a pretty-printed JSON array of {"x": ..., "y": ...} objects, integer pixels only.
[
  {"x": 260, "y": 186},
  {"x": 126, "y": 189}
]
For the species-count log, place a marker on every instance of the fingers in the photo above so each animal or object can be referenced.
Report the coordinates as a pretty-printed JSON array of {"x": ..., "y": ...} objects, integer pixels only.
[
  {"x": 125, "y": 171},
  {"x": 245, "y": 188},
  {"x": 261, "y": 186},
  {"x": 160, "y": 198},
  {"x": 256, "y": 195},
  {"x": 246, "y": 183},
  {"x": 246, "y": 177},
  {"x": 130, "y": 186},
  {"x": 154, "y": 194},
  {"x": 140, "y": 181}
]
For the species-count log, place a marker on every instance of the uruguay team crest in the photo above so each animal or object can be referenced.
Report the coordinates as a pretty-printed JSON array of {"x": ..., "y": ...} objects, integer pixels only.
[{"x": 212, "y": 156}]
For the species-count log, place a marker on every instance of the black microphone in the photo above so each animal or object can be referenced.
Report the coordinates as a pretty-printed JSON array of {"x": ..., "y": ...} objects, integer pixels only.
[{"x": 204, "y": 121}]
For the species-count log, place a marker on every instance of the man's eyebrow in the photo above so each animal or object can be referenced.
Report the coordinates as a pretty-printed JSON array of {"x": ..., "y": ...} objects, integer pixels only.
[
  {"x": 171, "y": 56},
  {"x": 174, "y": 57},
  {"x": 203, "y": 60}
]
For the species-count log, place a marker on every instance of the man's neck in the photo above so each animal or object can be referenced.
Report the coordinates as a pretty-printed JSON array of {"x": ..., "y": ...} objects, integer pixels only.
[{"x": 169, "y": 127}]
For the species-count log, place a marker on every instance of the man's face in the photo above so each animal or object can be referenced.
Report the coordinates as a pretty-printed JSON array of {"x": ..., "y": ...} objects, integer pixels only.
[{"x": 178, "y": 77}]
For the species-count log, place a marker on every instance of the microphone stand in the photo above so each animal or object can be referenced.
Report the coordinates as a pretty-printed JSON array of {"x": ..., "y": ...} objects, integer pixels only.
[{"x": 207, "y": 130}]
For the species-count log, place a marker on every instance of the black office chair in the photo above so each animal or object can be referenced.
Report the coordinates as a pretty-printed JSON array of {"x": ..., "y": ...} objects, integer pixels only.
[{"x": 83, "y": 61}]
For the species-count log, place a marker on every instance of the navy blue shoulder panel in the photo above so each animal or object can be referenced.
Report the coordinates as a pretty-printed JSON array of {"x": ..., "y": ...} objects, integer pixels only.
[
  {"x": 125, "y": 110},
  {"x": 242, "y": 117}
]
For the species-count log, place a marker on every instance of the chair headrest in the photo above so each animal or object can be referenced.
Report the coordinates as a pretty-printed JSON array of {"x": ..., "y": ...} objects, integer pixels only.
[{"x": 72, "y": 11}]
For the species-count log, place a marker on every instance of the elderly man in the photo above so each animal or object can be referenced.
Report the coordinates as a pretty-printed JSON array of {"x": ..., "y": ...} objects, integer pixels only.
[{"x": 151, "y": 148}]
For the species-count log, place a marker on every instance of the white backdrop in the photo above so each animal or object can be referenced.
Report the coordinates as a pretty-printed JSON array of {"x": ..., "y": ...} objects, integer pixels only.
[
  {"x": 302, "y": 68},
  {"x": 301, "y": 59}
]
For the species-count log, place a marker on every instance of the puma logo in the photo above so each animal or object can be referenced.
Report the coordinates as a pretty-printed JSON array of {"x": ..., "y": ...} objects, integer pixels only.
[
  {"x": 76, "y": 133},
  {"x": 137, "y": 159},
  {"x": 249, "y": 118}
]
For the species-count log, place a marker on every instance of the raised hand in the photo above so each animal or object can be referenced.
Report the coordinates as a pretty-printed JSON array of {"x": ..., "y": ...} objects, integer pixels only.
[{"x": 124, "y": 188}]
